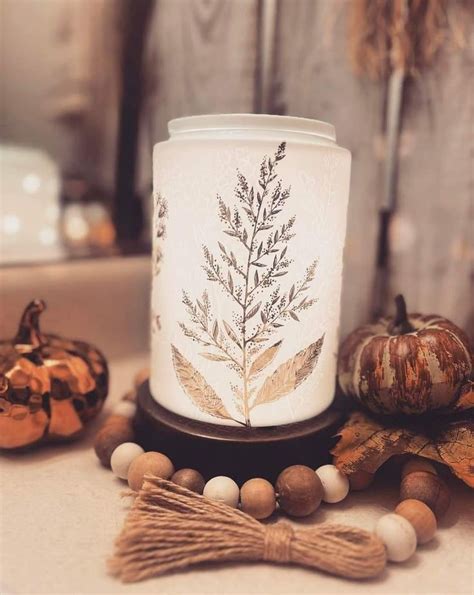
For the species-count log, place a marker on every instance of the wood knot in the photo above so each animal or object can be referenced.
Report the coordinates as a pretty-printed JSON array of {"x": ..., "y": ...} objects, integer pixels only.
[{"x": 277, "y": 543}]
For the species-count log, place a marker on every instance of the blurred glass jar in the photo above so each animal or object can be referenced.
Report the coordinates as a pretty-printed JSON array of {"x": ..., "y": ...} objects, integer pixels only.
[{"x": 29, "y": 206}]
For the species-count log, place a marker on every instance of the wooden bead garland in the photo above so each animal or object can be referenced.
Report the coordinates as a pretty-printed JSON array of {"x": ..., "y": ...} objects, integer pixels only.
[
  {"x": 421, "y": 517},
  {"x": 190, "y": 479},
  {"x": 153, "y": 463},
  {"x": 360, "y": 480},
  {"x": 398, "y": 536},
  {"x": 257, "y": 498},
  {"x": 122, "y": 458},
  {"x": 335, "y": 483},
  {"x": 222, "y": 489},
  {"x": 298, "y": 490},
  {"x": 113, "y": 433},
  {"x": 428, "y": 488},
  {"x": 418, "y": 464}
]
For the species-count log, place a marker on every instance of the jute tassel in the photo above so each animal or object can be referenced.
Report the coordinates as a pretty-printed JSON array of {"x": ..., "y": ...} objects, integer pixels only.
[{"x": 170, "y": 528}]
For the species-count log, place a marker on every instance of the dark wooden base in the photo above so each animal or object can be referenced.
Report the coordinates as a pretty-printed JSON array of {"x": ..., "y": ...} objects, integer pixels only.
[{"x": 235, "y": 451}]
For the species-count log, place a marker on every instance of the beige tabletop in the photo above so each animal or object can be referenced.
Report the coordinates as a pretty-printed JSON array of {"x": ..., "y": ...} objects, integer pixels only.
[{"x": 60, "y": 512}]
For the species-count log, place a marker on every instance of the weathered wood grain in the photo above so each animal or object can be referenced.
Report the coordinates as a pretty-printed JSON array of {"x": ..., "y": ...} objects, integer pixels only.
[
  {"x": 431, "y": 239},
  {"x": 202, "y": 58},
  {"x": 313, "y": 78}
]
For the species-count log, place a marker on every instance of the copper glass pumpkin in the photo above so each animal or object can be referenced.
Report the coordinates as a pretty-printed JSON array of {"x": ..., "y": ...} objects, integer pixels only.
[
  {"x": 49, "y": 386},
  {"x": 409, "y": 364}
]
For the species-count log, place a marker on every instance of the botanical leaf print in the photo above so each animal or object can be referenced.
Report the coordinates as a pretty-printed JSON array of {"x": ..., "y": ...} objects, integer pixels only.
[
  {"x": 248, "y": 266},
  {"x": 289, "y": 375},
  {"x": 196, "y": 387},
  {"x": 264, "y": 359},
  {"x": 159, "y": 228}
]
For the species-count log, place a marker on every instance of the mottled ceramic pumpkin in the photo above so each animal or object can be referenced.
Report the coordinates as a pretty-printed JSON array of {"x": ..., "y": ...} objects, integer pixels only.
[
  {"x": 408, "y": 364},
  {"x": 49, "y": 386}
]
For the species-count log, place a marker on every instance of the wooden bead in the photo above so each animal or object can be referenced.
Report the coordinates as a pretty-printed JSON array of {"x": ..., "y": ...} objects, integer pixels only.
[
  {"x": 125, "y": 409},
  {"x": 222, "y": 489},
  {"x": 257, "y": 498},
  {"x": 299, "y": 490},
  {"x": 190, "y": 479},
  {"x": 398, "y": 536},
  {"x": 111, "y": 435},
  {"x": 420, "y": 517},
  {"x": 428, "y": 488},
  {"x": 115, "y": 420},
  {"x": 154, "y": 463},
  {"x": 122, "y": 458},
  {"x": 360, "y": 480},
  {"x": 418, "y": 464},
  {"x": 335, "y": 483},
  {"x": 141, "y": 376}
]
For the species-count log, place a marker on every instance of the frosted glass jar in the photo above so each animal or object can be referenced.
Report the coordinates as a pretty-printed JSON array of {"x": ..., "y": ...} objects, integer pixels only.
[{"x": 249, "y": 226}]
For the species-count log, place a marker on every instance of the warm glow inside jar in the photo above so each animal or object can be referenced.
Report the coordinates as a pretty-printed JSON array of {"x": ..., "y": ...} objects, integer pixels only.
[{"x": 249, "y": 227}]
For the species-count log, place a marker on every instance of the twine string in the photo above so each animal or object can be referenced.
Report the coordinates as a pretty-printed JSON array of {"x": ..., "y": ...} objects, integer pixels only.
[
  {"x": 277, "y": 543},
  {"x": 170, "y": 528}
]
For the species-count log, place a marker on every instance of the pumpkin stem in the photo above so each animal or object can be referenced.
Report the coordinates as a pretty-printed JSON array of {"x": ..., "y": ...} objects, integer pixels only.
[
  {"x": 28, "y": 331},
  {"x": 401, "y": 324}
]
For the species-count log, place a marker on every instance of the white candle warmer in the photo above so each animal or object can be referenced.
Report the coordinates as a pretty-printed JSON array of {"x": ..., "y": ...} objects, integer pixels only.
[{"x": 249, "y": 227}]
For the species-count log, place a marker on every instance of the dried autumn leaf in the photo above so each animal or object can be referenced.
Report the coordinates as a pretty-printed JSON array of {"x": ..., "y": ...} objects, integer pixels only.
[
  {"x": 455, "y": 446},
  {"x": 365, "y": 444},
  {"x": 289, "y": 375},
  {"x": 264, "y": 359},
  {"x": 466, "y": 398},
  {"x": 196, "y": 387}
]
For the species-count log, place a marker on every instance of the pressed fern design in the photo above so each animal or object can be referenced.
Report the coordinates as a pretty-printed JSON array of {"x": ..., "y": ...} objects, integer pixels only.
[
  {"x": 248, "y": 272},
  {"x": 160, "y": 209}
]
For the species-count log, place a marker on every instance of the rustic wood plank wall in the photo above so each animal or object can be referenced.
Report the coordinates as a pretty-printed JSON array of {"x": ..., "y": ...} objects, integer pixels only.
[
  {"x": 312, "y": 78},
  {"x": 205, "y": 56},
  {"x": 202, "y": 58},
  {"x": 432, "y": 248}
]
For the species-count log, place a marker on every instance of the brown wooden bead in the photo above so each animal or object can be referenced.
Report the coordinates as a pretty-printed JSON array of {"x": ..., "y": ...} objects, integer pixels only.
[
  {"x": 154, "y": 463},
  {"x": 421, "y": 518},
  {"x": 257, "y": 498},
  {"x": 110, "y": 436},
  {"x": 190, "y": 479},
  {"x": 428, "y": 488},
  {"x": 418, "y": 464},
  {"x": 299, "y": 490},
  {"x": 114, "y": 420},
  {"x": 360, "y": 480}
]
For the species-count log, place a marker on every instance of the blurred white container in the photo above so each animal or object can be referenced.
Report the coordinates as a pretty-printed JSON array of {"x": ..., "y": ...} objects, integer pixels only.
[
  {"x": 249, "y": 229},
  {"x": 29, "y": 206}
]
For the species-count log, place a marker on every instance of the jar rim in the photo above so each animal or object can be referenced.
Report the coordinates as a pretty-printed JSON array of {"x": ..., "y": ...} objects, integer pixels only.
[{"x": 254, "y": 122}]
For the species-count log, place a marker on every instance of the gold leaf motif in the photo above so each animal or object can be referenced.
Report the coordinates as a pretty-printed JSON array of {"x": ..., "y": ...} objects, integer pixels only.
[
  {"x": 290, "y": 375},
  {"x": 196, "y": 387},
  {"x": 264, "y": 359}
]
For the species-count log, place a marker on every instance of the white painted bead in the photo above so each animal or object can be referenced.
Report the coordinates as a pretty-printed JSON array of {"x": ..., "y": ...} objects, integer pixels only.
[
  {"x": 335, "y": 483},
  {"x": 125, "y": 409},
  {"x": 222, "y": 489},
  {"x": 398, "y": 536},
  {"x": 122, "y": 457}
]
